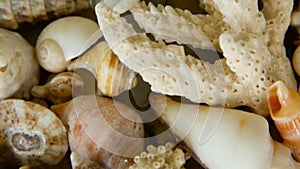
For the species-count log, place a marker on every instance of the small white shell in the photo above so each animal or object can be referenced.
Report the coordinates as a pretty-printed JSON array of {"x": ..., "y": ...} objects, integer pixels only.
[
  {"x": 19, "y": 69},
  {"x": 30, "y": 135},
  {"x": 61, "y": 88},
  {"x": 64, "y": 39},
  {"x": 80, "y": 162},
  {"x": 296, "y": 60}
]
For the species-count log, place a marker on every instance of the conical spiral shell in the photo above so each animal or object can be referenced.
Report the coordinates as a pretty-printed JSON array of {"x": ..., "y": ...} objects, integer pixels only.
[
  {"x": 14, "y": 12},
  {"x": 30, "y": 135},
  {"x": 113, "y": 77},
  {"x": 285, "y": 111}
]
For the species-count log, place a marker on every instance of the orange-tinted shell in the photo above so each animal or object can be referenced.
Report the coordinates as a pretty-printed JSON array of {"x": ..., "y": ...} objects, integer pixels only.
[
  {"x": 284, "y": 105},
  {"x": 102, "y": 130}
]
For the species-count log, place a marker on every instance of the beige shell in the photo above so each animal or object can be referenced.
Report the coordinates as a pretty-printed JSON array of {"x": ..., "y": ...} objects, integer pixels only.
[
  {"x": 15, "y": 12},
  {"x": 63, "y": 40},
  {"x": 19, "y": 69},
  {"x": 113, "y": 77},
  {"x": 285, "y": 111},
  {"x": 102, "y": 130},
  {"x": 61, "y": 88},
  {"x": 30, "y": 135}
]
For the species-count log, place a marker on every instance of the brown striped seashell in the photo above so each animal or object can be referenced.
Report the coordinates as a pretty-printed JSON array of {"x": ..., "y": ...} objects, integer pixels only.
[
  {"x": 30, "y": 135},
  {"x": 113, "y": 77},
  {"x": 61, "y": 88},
  {"x": 284, "y": 108},
  {"x": 102, "y": 130},
  {"x": 13, "y": 13}
]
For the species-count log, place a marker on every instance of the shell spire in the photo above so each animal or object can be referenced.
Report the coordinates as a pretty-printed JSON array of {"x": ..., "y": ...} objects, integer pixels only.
[
  {"x": 12, "y": 12},
  {"x": 285, "y": 111}
]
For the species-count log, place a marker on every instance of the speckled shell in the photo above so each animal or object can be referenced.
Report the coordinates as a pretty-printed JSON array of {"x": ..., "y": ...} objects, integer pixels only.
[
  {"x": 13, "y": 12},
  {"x": 102, "y": 130},
  {"x": 30, "y": 135},
  {"x": 284, "y": 104},
  {"x": 61, "y": 88}
]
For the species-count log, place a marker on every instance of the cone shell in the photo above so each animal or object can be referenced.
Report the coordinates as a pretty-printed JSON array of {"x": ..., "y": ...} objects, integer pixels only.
[
  {"x": 113, "y": 77},
  {"x": 102, "y": 130},
  {"x": 30, "y": 135},
  {"x": 284, "y": 108},
  {"x": 15, "y": 12}
]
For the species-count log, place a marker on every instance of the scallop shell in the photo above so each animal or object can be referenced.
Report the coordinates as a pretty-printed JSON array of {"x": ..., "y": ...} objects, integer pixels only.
[
  {"x": 15, "y": 12},
  {"x": 102, "y": 130},
  {"x": 284, "y": 108},
  {"x": 61, "y": 88},
  {"x": 30, "y": 135},
  {"x": 113, "y": 77},
  {"x": 63, "y": 40}
]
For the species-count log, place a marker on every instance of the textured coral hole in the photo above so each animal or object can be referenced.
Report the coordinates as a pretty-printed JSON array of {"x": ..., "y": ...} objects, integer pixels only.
[{"x": 25, "y": 142}]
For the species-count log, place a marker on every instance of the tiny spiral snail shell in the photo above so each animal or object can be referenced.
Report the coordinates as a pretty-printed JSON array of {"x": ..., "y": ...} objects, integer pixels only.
[
  {"x": 30, "y": 134},
  {"x": 284, "y": 108}
]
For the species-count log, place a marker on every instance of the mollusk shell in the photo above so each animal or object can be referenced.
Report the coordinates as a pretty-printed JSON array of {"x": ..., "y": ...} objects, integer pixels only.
[
  {"x": 61, "y": 88},
  {"x": 113, "y": 77},
  {"x": 102, "y": 130},
  {"x": 14, "y": 12},
  {"x": 30, "y": 135},
  {"x": 284, "y": 108}
]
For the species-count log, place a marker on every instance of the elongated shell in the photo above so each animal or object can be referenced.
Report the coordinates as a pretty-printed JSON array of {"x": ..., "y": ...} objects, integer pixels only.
[
  {"x": 102, "y": 130},
  {"x": 14, "y": 12},
  {"x": 285, "y": 111},
  {"x": 61, "y": 88},
  {"x": 63, "y": 40},
  {"x": 113, "y": 77},
  {"x": 30, "y": 134}
]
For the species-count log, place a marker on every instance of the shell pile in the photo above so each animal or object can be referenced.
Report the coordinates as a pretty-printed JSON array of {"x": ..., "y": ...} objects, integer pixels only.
[{"x": 67, "y": 92}]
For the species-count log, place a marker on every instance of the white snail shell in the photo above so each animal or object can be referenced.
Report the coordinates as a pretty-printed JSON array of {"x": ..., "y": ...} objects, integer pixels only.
[{"x": 63, "y": 40}]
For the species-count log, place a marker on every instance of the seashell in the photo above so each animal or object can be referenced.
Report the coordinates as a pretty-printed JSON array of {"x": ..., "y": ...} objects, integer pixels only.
[
  {"x": 61, "y": 88},
  {"x": 285, "y": 111},
  {"x": 80, "y": 162},
  {"x": 113, "y": 77},
  {"x": 30, "y": 135},
  {"x": 63, "y": 40},
  {"x": 19, "y": 69},
  {"x": 15, "y": 12},
  {"x": 102, "y": 130},
  {"x": 218, "y": 137},
  {"x": 296, "y": 60},
  {"x": 282, "y": 157}
]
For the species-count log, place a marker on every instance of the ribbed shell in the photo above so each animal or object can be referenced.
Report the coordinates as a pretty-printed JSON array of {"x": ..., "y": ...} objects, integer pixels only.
[
  {"x": 13, "y": 12},
  {"x": 30, "y": 134},
  {"x": 284, "y": 104}
]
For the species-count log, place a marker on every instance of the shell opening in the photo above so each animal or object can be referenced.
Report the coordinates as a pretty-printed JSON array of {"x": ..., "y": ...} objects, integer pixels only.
[
  {"x": 25, "y": 142},
  {"x": 274, "y": 103}
]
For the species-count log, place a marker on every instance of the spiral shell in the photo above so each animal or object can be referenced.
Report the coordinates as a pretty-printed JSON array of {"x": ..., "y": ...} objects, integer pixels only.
[
  {"x": 63, "y": 40},
  {"x": 285, "y": 111},
  {"x": 61, "y": 88},
  {"x": 113, "y": 77},
  {"x": 14, "y": 12},
  {"x": 102, "y": 130},
  {"x": 30, "y": 135}
]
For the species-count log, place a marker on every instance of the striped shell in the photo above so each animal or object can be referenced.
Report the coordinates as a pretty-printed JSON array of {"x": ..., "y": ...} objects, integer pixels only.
[
  {"x": 102, "y": 130},
  {"x": 30, "y": 135},
  {"x": 285, "y": 111},
  {"x": 113, "y": 77},
  {"x": 14, "y": 12}
]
